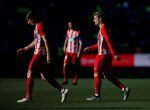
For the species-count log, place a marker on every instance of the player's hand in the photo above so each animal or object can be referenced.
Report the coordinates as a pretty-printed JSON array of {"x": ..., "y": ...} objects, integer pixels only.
[
  {"x": 87, "y": 49},
  {"x": 20, "y": 51},
  {"x": 48, "y": 60},
  {"x": 78, "y": 55},
  {"x": 64, "y": 50},
  {"x": 116, "y": 57}
]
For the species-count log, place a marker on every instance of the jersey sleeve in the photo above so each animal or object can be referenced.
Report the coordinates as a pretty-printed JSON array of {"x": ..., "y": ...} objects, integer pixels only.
[
  {"x": 94, "y": 47},
  {"x": 67, "y": 34},
  {"x": 106, "y": 37},
  {"x": 41, "y": 29}
]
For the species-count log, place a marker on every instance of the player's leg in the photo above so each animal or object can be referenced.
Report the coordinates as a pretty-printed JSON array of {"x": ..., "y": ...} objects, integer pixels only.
[
  {"x": 75, "y": 74},
  {"x": 97, "y": 80},
  {"x": 113, "y": 79},
  {"x": 120, "y": 85},
  {"x": 30, "y": 80},
  {"x": 51, "y": 80},
  {"x": 75, "y": 78},
  {"x": 49, "y": 77},
  {"x": 65, "y": 73},
  {"x": 29, "y": 88},
  {"x": 65, "y": 69},
  {"x": 75, "y": 68}
]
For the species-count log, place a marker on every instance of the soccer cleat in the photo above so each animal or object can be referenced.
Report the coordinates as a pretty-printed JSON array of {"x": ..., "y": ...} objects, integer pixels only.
[
  {"x": 65, "y": 82},
  {"x": 74, "y": 83},
  {"x": 25, "y": 99},
  {"x": 126, "y": 93},
  {"x": 64, "y": 95},
  {"x": 96, "y": 98}
]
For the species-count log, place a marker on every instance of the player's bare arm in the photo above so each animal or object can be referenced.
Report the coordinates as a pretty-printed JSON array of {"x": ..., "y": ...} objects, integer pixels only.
[
  {"x": 93, "y": 47},
  {"x": 44, "y": 37},
  {"x": 65, "y": 45},
  {"x": 80, "y": 46},
  {"x": 30, "y": 46},
  {"x": 87, "y": 49}
]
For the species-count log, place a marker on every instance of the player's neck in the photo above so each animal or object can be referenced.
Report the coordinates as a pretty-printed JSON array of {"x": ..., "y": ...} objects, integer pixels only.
[{"x": 100, "y": 25}]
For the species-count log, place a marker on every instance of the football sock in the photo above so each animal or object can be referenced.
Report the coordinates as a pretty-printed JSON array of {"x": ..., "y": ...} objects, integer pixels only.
[
  {"x": 116, "y": 82},
  {"x": 97, "y": 82},
  {"x": 75, "y": 78},
  {"x": 29, "y": 87},
  {"x": 65, "y": 74},
  {"x": 54, "y": 83}
]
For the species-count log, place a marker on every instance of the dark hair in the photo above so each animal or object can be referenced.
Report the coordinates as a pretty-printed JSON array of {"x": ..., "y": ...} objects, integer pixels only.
[
  {"x": 32, "y": 15},
  {"x": 100, "y": 14},
  {"x": 104, "y": 19},
  {"x": 75, "y": 24}
]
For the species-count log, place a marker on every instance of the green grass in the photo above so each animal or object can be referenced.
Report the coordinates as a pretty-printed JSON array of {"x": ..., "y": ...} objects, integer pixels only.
[{"x": 46, "y": 97}]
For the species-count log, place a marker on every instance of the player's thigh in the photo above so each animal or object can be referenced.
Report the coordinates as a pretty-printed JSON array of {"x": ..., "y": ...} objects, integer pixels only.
[
  {"x": 33, "y": 63},
  {"x": 98, "y": 63},
  {"x": 107, "y": 65},
  {"x": 67, "y": 60}
]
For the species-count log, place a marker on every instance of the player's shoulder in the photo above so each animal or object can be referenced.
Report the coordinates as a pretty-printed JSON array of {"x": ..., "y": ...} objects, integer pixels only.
[
  {"x": 41, "y": 24},
  {"x": 103, "y": 25},
  {"x": 78, "y": 31}
]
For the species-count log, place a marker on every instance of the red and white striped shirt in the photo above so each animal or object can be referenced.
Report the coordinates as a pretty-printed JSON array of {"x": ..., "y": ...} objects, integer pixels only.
[
  {"x": 39, "y": 43},
  {"x": 104, "y": 44},
  {"x": 73, "y": 41}
]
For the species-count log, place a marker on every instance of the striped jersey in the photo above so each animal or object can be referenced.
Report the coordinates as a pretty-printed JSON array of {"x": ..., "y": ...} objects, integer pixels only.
[
  {"x": 73, "y": 41},
  {"x": 39, "y": 43},
  {"x": 104, "y": 44}
]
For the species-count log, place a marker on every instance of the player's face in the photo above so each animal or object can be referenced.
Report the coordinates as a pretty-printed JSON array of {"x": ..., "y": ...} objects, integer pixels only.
[
  {"x": 96, "y": 20},
  {"x": 30, "y": 21},
  {"x": 69, "y": 25}
]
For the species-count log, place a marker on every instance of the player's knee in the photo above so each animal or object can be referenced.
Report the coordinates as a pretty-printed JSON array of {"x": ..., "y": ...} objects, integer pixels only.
[
  {"x": 29, "y": 74},
  {"x": 64, "y": 65},
  {"x": 96, "y": 74}
]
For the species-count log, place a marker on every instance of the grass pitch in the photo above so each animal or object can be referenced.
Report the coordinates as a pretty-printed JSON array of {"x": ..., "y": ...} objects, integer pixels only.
[{"x": 46, "y": 97}]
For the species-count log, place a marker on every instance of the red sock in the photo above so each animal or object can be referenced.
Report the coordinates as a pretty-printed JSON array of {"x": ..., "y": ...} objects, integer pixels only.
[
  {"x": 97, "y": 83},
  {"x": 65, "y": 73},
  {"x": 75, "y": 78},
  {"x": 116, "y": 82},
  {"x": 29, "y": 87}
]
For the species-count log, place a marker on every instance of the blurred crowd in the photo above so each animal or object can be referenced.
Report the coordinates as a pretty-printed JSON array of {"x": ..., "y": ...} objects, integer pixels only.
[{"x": 129, "y": 22}]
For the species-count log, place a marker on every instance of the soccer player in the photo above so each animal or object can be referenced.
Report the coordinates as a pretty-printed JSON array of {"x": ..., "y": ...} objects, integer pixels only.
[
  {"x": 103, "y": 61},
  {"x": 41, "y": 59},
  {"x": 72, "y": 50}
]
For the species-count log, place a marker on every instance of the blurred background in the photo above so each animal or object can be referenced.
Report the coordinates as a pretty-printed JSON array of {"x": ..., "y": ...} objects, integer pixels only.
[{"x": 129, "y": 22}]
